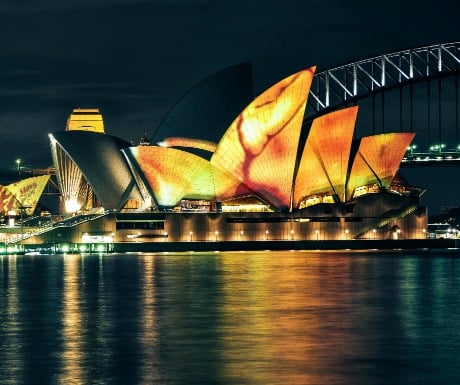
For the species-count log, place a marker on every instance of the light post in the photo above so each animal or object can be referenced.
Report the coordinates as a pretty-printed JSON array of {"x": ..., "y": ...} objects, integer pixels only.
[
  {"x": 373, "y": 232},
  {"x": 18, "y": 163},
  {"x": 266, "y": 235},
  {"x": 437, "y": 148},
  {"x": 216, "y": 233},
  {"x": 411, "y": 149},
  {"x": 241, "y": 235},
  {"x": 191, "y": 236},
  {"x": 317, "y": 234},
  {"x": 346, "y": 233},
  {"x": 292, "y": 235}
]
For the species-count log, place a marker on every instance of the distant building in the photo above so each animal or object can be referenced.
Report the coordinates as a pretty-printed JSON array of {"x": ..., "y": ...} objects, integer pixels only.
[{"x": 85, "y": 119}]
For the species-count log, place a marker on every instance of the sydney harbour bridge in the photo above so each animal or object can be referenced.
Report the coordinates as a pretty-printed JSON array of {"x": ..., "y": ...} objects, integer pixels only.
[{"x": 415, "y": 90}]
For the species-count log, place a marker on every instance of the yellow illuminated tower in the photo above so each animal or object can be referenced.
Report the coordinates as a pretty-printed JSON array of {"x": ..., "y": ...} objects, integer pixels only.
[{"x": 85, "y": 119}]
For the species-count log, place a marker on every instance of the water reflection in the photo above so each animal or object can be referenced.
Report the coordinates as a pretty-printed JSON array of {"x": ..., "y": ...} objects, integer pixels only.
[
  {"x": 72, "y": 323},
  {"x": 189, "y": 294},
  {"x": 148, "y": 338},
  {"x": 279, "y": 325},
  {"x": 9, "y": 323},
  {"x": 230, "y": 318},
  {"x": 30, "y": 300}
]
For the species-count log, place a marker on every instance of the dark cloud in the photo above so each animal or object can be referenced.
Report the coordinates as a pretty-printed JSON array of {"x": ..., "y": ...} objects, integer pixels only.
[{"x": 134, "y": 59}]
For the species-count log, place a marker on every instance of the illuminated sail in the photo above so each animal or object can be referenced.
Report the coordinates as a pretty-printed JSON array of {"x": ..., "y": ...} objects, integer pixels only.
[
  {"x": 260, "y": 146},
  {"x": 324, "y": 162},
  {"x": 377, "y": 160},
  {"x": 23, "y": 194},
  {"x": 174, "y": 174}
]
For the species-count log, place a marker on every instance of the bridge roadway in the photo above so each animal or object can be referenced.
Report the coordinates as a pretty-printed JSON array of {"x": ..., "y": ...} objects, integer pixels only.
[{"x": 441, "y": 159}]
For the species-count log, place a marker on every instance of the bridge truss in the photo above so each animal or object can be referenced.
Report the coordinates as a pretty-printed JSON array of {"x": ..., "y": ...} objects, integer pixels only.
[{"x": 349, "y": 83}]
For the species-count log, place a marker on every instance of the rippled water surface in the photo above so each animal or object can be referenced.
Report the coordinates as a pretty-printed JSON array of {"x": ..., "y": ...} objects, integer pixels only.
[{"x": 230, "y": 318}]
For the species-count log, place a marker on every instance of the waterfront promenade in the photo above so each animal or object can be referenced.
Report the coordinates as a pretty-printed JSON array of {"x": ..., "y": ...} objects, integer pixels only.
[
  {"x": 364, "y": 244},
  {"x": 272, "y": 245}
]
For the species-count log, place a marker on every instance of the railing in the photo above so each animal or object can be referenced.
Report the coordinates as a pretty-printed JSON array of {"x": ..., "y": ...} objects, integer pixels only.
[
  {"x": 387, "y": 218},
  {"x": 28, "y": 232}
]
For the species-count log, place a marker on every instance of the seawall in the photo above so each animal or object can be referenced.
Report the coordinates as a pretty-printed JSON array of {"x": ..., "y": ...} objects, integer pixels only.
[{"x": 403, "y": 244}]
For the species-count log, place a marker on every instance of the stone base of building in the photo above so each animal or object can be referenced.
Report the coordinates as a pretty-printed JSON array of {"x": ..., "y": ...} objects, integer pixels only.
[{"x": 383, "y": 216}]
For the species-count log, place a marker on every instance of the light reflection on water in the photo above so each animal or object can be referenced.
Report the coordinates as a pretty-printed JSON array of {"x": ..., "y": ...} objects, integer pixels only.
[{"x": 230, "y": 318}]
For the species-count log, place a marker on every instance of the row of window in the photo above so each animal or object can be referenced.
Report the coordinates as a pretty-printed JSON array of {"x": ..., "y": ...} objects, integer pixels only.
[{"x": 140, "y": 225}]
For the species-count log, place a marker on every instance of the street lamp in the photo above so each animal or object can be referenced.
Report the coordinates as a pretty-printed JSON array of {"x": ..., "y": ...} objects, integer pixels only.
[
  {"x": 266, "y": 235},
  {"x": 191, "y": 236},
  {"x": 437, "y": 148},
  {"x": 216, "y": 233},
  {"x": 317, "y": 234},
  {"x": 18, "y": 163},
  {"x": 411, "y": 149}
]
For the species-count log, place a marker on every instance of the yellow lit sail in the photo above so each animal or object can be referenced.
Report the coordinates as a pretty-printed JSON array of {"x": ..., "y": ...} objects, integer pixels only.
[
  {"x": 260, "y": 146},
  {"x": 324, "y": 162},
  {"x": 377, "y": 160},
  {"x": 23, "y": 194},
  {"x": 175, "y": 174}
]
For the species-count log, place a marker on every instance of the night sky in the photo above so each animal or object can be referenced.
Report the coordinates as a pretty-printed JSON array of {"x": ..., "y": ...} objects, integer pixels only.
[{"x": 134, "y": 59}]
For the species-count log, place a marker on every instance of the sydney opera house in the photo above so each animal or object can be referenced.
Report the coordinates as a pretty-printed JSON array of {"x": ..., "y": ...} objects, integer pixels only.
[{"x": 224, "y": 166}]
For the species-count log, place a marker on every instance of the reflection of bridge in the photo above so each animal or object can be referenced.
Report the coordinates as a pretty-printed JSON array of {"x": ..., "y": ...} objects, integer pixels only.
[{"x": 415, "y": 90}]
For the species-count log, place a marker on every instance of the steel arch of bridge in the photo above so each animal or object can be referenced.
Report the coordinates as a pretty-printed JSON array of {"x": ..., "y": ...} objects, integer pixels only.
[{"x": 344, "y": 85}]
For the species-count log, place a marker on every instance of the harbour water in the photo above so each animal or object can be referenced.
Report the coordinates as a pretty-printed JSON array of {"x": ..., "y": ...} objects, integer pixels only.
[{"x": 231, "y": 318}]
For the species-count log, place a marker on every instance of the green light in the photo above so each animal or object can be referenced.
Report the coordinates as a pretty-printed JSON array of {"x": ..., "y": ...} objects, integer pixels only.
[
  {"x": 12, "y": 249},
  {"x": 82, "y": 248},
  {"x": 18, "y": 162},
  {"x": 412, "y": 148}
]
